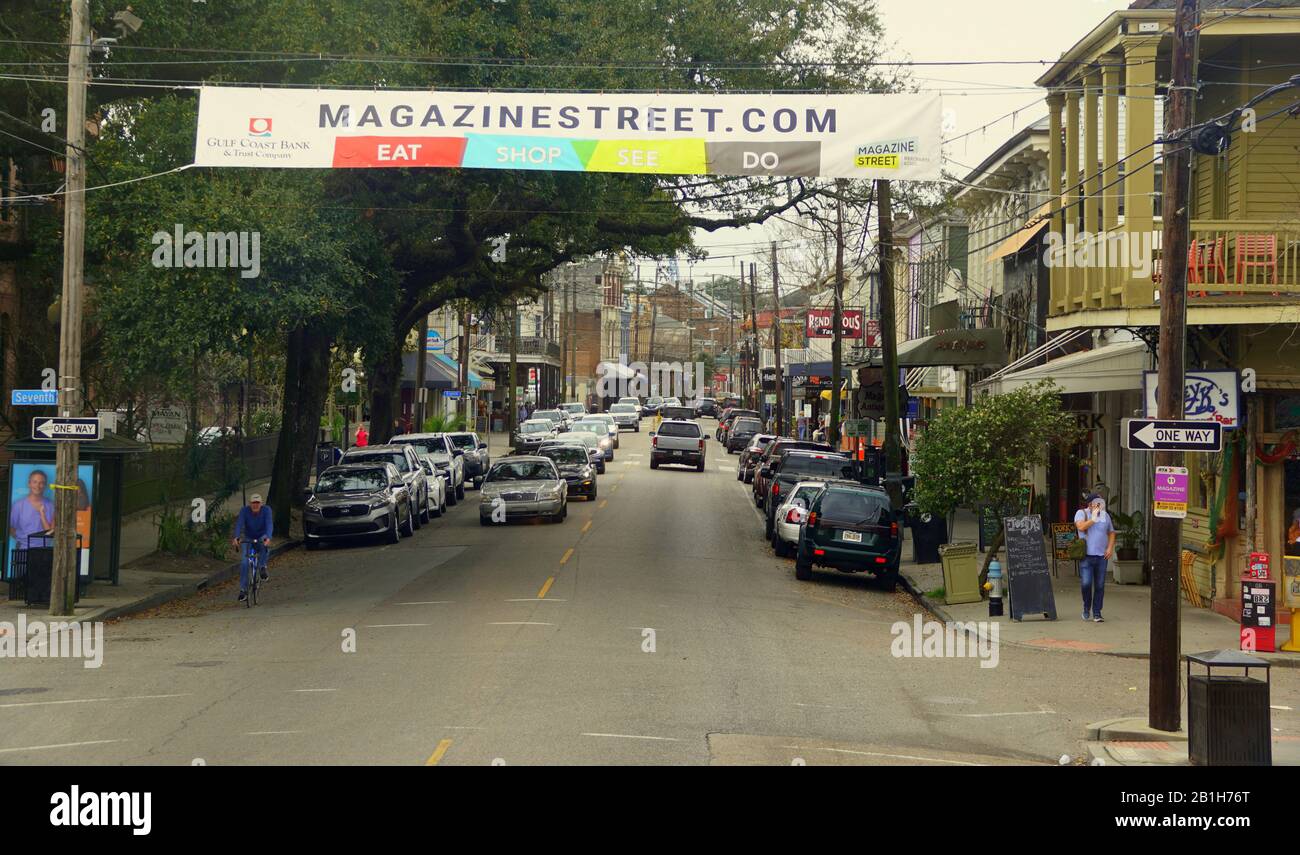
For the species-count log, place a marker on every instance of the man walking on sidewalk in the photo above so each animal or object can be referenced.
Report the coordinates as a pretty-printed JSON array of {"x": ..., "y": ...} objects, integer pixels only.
[{"x": 1098, "y": 532}]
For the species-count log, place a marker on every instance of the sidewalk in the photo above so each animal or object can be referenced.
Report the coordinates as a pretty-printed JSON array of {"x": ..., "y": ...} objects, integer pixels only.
[{"x": 1126, "y": 631}]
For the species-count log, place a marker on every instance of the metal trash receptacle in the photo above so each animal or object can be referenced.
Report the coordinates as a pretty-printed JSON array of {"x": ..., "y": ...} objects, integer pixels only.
[
  {"x": 929, "y": 532},
  {"x": 961, "y": 575},
  {"x": 1228, "y": 715}
]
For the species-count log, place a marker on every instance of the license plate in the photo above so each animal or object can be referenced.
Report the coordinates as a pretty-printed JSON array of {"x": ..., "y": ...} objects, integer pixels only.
[
  {"x": 851, "y": 536},
  {"x": 677, "y": 454}
]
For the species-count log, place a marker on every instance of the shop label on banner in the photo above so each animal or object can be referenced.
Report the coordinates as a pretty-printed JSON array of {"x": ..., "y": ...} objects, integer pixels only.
[
  {"x": 835, "y": 136},
  {"x": 1169, "y": 498}
]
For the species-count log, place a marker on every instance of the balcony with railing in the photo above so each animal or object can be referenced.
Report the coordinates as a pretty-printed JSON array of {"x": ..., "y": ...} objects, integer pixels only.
[{"x": 497, "y": 348}]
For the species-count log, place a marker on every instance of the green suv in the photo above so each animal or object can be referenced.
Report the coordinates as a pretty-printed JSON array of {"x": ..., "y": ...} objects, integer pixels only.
[{"x": 851, "y": 528}]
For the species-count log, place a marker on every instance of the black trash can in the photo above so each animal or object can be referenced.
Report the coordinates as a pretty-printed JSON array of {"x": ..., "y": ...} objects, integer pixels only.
[
  {"x": 326, "y": 456},
  {"x": 1227, "y": 714},
  {"x": 929, "y": 532}
]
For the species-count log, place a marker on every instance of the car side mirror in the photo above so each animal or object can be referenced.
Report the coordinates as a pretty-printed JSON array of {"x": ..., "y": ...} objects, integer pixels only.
[
  {"x": 766, "y": 471},
  {"x": 459, "y": 452},
  {"x": 652, "y": 433},
  {"x": 482, "y": 445}
]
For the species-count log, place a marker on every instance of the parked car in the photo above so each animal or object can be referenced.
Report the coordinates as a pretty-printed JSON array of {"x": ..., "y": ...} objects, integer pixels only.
[
  {"x": 607, "y": 420},
  {"x": 575, "y": 466},
  {"x": 476, "y": 458},
  {"x": 589, "y": 440},
  {"x": 634, "y": 401},
  {"x": 678, "y": 442},
  {"x": 601, "y": 431},
  {"x": 795, "y": 466},
  {"x": 771, "y": 454},
  {"x": 652, "y": 405},
  {"x": 407, "y": 463},
  {"x": 791, "y": 514},
  {"x": 851, "y": 528},
  {"x": 210, "y": 435},
  {"x": 358, "y": 499},
  {"x": 559, "y": 419},
  {"x": 706, "y": 407},
  {"x": 574, "y": 410},
  {"x": 523, "y": 486},
  {"x": 749, "y": 456},
  {"x": 437, "y": 488},
  {"x": 626, "y": 415},
  {"x": 741, "y": 431},
  {"x": 531, "y": 434},
  {"x": 676, "y": 411},
  {"x": 725, "y": 420},
  {"x": 449, "y": 461}
]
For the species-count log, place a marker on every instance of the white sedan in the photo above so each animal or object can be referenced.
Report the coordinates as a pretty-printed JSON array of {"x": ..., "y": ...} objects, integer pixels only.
[{"x": 790, "y": 516}]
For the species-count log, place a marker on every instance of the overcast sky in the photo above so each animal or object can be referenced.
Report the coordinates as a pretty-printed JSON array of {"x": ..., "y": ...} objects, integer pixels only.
[{"x": 938, "y": 30}]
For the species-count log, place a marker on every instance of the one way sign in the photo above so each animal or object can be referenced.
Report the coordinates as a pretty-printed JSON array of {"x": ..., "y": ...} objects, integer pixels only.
[
  {"x": 65, "y": 429},
  {"x": 1154, "y": 435}
]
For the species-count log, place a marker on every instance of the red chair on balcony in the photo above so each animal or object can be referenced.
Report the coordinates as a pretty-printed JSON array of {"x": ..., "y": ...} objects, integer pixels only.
[
  {"x": 1257, "y": 251},
  {"x": 1205, "y": 261}
]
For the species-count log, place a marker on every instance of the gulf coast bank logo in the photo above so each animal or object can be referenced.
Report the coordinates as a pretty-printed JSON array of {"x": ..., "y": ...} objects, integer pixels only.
[
  {"x": 886, "y": 154},
  {"x": 259, "y": 126}
]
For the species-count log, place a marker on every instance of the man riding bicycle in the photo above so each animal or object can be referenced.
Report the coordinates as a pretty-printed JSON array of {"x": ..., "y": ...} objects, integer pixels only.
[{"x": 254, "y": 525}]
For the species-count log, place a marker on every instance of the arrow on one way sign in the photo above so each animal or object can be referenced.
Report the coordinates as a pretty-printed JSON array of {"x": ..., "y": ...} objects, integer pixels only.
[{"x": 1154, "y": 435}]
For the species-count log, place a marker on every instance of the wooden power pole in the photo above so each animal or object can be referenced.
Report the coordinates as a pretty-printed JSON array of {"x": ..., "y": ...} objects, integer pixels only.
[
  {"x": 888, "y": 330},
  {"x": 1163, "y": 702},
  {"x": 778, "y": 411},
  {"x": 837, "y": 321}
]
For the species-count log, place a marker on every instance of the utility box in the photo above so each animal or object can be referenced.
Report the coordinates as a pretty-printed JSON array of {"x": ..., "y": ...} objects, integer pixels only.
[
  {"x": 1228, "y": 714},
  {"x": 961, "y": 575}
]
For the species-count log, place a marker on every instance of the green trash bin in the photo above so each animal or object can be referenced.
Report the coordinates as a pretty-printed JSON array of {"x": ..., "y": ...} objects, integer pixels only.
[{"x": 961, "y": 575}]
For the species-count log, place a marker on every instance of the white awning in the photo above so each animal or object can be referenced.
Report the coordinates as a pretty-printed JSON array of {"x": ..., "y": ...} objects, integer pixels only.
[{"x": 1110, "y": 368}]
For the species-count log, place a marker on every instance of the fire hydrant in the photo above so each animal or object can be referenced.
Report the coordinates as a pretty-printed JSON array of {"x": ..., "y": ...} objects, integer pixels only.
[{"x": 994, "y": 587}]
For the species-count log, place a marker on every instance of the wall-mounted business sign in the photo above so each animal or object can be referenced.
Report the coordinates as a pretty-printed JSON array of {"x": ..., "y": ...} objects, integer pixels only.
[
  {"x": 837, "y": 136},
  {"x": 821, "y": 323},
  {"x": 1212, "y": 396}
]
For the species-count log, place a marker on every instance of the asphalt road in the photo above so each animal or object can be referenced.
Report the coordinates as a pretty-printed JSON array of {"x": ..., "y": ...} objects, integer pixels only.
[{"x": 654, "y": 626}]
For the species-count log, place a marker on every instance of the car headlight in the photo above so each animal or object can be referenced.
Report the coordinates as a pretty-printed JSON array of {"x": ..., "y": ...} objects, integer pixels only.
[
  {"x": 378, "y": 503},
  {"x": 605, "y": 442},
  {"x": 313, "y": 505}
]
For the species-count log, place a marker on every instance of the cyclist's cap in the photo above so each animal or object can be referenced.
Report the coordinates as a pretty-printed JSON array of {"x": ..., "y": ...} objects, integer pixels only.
[{"x": 256, "y": 497}]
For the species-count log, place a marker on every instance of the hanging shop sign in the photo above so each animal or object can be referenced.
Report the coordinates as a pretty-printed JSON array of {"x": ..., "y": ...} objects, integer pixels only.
[
  {"x": 835, "y": 136},
  {"x": 821, "y": 323},
  {"x": 1212, "y": 396}
]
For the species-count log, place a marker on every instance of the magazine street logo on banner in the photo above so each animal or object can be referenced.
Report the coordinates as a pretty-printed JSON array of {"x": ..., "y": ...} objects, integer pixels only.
[{"x": 835, "y": 136}]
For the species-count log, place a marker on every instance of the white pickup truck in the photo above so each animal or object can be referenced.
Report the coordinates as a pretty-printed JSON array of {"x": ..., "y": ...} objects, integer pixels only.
[{"x": 678, "y": 441}]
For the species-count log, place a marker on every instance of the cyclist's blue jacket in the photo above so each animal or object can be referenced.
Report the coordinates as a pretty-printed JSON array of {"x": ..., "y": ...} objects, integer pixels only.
[{"x": 253, "y": 526}]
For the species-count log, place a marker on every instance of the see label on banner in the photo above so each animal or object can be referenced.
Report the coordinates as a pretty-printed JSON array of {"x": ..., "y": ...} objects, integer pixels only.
[{"x": 1169, "y": 496}]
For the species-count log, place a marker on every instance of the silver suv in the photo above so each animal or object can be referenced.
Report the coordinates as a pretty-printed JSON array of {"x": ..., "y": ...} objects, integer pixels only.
[
  {"x": 408, "y": 466},
  {"x": 445, "y": 457}
]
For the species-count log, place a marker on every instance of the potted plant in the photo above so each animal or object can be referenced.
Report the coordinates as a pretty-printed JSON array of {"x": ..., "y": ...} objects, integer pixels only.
[{"x": 1128, "y": 537}]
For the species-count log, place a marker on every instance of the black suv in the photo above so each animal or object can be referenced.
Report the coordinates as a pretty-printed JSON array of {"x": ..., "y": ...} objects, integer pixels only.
[
  {"x": 795, "y": 466},
  {"x": 851, "y": 528},
  {"x": 740, "y": 433},
  {"x": 706, "y": 407}
]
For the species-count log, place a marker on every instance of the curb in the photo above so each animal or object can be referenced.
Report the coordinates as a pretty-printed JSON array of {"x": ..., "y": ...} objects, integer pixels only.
[{"x": 178, "y": 591}]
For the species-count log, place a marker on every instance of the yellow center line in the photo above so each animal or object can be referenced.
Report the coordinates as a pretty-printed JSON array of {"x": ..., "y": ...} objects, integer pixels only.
[
  {"x": 443, "y": 745},
  {"x": 568, "y": 553},
  {"x": 549, "y": 582},
  {"x": 587, "y": 526},
  {"x": 602, "y": 504}
]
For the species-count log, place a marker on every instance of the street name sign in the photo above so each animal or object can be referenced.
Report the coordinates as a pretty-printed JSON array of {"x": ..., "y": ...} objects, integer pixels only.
[
  {"x": 1156, "y": 435},
  {"x": 66, "y": 429},
  {"x": 34, "y": 397}
]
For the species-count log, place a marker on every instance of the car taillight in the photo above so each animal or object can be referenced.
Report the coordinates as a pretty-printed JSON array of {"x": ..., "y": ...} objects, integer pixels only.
[
  {"x": 880, "y": 560},
  {"x": 819, "y": 552},
  {"x": 812, "y": 520},
  {"x": 792, "y": 516},
  {"x": 701, "y": 444},
  {"x": 893, "y": 529},
  {"x": 654, "y": 442},
  {"x": 776, "y": 489}
]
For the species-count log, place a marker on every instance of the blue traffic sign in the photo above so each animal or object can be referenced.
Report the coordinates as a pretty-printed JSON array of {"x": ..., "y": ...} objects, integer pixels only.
[
  {"x": 451, "y": 393},
  {"x": 34, "y": 398}
]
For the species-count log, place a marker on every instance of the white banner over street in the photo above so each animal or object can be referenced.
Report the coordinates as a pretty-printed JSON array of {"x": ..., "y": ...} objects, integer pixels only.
[{"x": 835, "y": 136}]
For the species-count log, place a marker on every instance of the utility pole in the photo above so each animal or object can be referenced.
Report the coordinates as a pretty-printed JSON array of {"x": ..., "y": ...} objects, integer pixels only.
[
  {"x": 573, "y": 336},
  {"x": 421, "y": 355},
  {"x": 564, "y": 337},
  {"x": 744, "y": 341},
  {"x": 1164, "y": 712},
  {"x": 67, "y": 455},
  {"x": 463, "y": 361},
  {"x": 731, "y": 341},
  {"x": 513, "y": 396},
  {"x": 756, "y": 373},
  {"x": 837, "y": 320},
  {"x": 889, "y": 336},
  {"x": 778, "y": 411}
]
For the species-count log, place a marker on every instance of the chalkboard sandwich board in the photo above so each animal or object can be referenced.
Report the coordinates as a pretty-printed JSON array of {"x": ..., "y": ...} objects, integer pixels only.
[{"x": 1029, "y": 578}]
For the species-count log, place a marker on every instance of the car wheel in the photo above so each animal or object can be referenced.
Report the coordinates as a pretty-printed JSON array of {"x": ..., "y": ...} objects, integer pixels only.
[
  {"x": 699, "y": 467},
  {"x": 740, "y": 474},
  {"x": 654, "y": 464},
  {"x": 636, "y": 429},
  {"x": 451, "y": 498},
  {"x": 410, "y": 521},
  {"x": 460, "y": 491},
  {"x": 425, "y": 513},
  {"x": 478, "y": 482},
  {"x": 394, "y": 534},
  {"x": 888, "y": 581},
  {"x": 416, "y": 522},
  {"x": 768, "y": 526},
  {"x": 435, "y": 512},
  {"x": 482, "y": 520},
  {"x": 312, "y": 545},
  {"x": 802, "y": 569},
  {"x": 601, "y": 468}
]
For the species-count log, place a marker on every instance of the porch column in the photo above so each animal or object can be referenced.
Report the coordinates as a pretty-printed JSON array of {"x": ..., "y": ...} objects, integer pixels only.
[
  {"x": 1095, "y": 278},
  {"x": 1110, "y": 157},
  {"x": 1055, "y": 166},
  {"x": 1074, "y": 276},
  {"x": 1139, "y": 178}
]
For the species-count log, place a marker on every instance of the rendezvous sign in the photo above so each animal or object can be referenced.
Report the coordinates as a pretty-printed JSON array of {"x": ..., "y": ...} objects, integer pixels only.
[
  {"x": 66, "y": 429},
  {"x": 1155, "y": 435},
  {"x": 835, "y": 136}
]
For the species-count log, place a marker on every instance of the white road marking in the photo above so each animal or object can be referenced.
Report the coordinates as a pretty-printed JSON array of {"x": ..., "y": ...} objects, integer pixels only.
[
  {"x": 270, "y": 732},
  {"x": 536, "y": 600},
  {"x": 998, "y": 714},
  {"x": 392, "y": 625},
  {"x": 1276, "y": 707},
  {"x": 462, "y": 727},
  {"x": 825, "y": 707},
  {"x": 92, "y": 700},
  {"x": 519, "y": 623},
  {"x": 61, "y": 745},
  {"x": 879, "y": 754},
  {"x": 313, "y": 690},
  {"x": 632, "y": 736},
  {"x": 427, "y": 603}
]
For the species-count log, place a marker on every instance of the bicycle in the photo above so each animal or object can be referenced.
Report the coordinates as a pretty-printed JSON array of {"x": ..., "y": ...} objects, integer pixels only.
[{"x": 254, "y": 570}]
